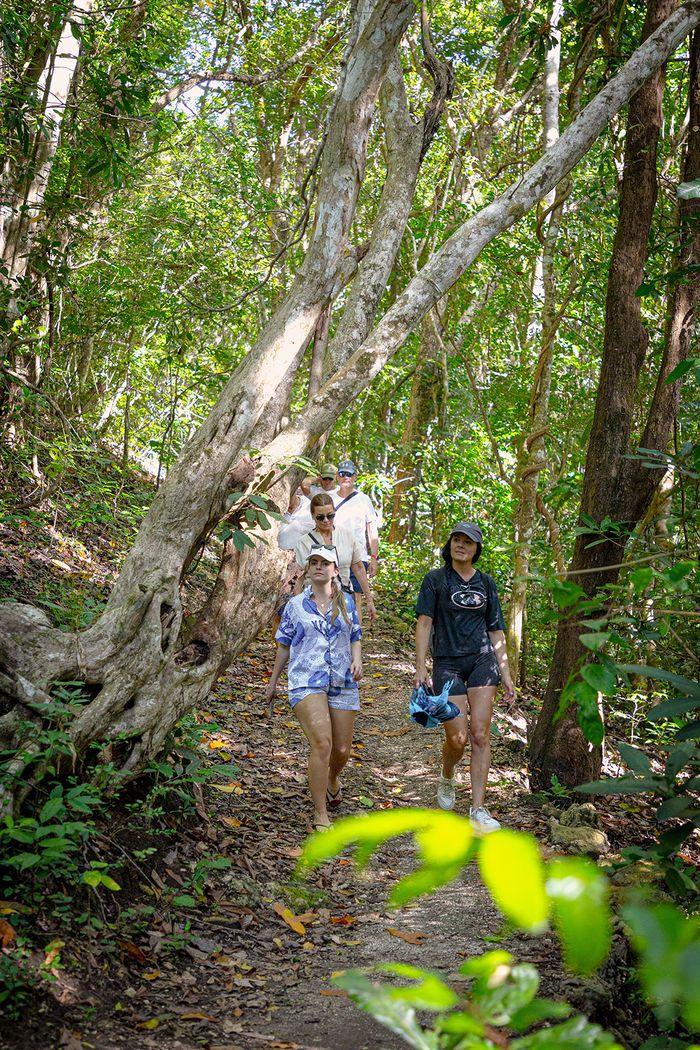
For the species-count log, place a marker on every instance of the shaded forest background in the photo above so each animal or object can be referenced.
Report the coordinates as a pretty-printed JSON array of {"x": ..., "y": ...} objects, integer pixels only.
[
  {"x": 219, "y": 222},
  {"x": 159, "y": 172}
]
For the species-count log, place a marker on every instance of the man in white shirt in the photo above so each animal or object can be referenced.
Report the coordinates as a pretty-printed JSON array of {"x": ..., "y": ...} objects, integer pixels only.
[
  {"x": 354, "y": 508},
  {"x": 323, "y": 482},
  {"x": 298, "y": 521}
]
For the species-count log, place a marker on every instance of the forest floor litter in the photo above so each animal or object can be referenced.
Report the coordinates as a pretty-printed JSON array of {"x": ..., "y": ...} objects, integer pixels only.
[
  {"x": 248, "y": 964},
  {"x": 213, "y": 940}
]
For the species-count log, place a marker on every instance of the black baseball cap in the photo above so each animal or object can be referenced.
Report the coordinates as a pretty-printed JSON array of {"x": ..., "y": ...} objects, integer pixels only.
[{"x": 469, "y": 529}]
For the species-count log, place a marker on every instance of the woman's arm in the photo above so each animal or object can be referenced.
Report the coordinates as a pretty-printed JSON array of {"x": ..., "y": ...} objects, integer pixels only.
[
  {"x": 356, "y": 657},
  {"x": 498, "y": 641},
  {"x": 424, "y": 626},
  {"x": 281, "y": 658},
  {"x": 363, "y": 580}
]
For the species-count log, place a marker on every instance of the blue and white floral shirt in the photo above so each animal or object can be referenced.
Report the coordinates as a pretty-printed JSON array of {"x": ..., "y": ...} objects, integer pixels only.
[{"x": 319, "y": 650}]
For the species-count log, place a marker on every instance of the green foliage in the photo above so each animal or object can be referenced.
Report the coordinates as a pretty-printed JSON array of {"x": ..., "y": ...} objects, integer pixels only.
[
  {"x": 498, "y": 857},
  {"x": 669, "y": 947},
  {"x": 573, "y": 892},
  {"x": 445, "y": 842},
  {"x": 503, "y": 995},
  {"x": 677, "y": 786},
  {"x": 58, "y": 858},
  {"x": 573, "y": 895}
]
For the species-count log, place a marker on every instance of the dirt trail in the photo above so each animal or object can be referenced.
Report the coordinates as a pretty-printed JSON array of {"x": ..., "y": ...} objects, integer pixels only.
[
  {"x": 239, "y": 977},
  {"x": 399, "y": 763},
  {"x": 394, "y": 763}
]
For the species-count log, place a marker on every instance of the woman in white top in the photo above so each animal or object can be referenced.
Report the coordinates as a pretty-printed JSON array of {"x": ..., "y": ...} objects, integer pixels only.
[{"x": 345, "y": 542}]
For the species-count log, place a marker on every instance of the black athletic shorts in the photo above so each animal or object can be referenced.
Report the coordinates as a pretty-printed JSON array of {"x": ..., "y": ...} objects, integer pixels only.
[{"x": 468, "y": 672}]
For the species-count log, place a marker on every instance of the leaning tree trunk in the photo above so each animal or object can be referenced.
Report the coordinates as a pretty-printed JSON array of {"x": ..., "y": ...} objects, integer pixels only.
[
  {"x": 614, "y": 485},
  {"x": 142, "y": 662},
  {"x": 426, "y": 413},
  {"x": 256, "y": 572},
  {"x": 139, "y": 657},
  {"x": 533, "y": 457}
]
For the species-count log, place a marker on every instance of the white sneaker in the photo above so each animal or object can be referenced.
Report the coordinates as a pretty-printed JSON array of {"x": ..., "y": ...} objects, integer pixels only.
[
  {"x": 446, "y": 792},
  {"x": 482, "y": 819}
]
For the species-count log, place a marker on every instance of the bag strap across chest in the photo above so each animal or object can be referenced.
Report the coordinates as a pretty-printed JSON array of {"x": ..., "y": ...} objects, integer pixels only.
[{"x": 344, "y": 501}]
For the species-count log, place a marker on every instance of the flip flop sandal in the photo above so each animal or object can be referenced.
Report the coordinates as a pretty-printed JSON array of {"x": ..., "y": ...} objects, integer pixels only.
[
  {"x": 333, "y": 801},
  {"x": 322, "y": 827}
]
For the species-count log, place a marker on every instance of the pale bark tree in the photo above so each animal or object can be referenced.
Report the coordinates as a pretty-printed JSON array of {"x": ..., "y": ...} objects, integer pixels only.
[
  {"x": 425, "y": 420},
  {"x": 25, "y": 181},
  {"x": 143, "y": 663},
  {"x": 532, "y": 459},
  {"x": 614, "y": 485}
]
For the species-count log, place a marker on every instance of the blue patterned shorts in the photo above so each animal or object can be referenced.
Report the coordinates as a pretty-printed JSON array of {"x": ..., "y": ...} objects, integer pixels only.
[{"x": 340, "y": 698}]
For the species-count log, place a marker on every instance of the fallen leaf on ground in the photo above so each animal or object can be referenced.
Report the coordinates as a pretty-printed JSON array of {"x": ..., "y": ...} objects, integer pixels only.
[
  {"x": 409, "y": 936},
  {"x": 227, "y": 789},
  {"x": 343, "y": 920},
  {"x": 7, "y": 933},
  {"x": 288, "y": 916},
  {"x": 133, "y": 950},
  {"x": 195, "y": 1016},
  {"x": 70, "y": 1040},
  {"x": 233, "y": 822},
  {"x": 53, "y": 949},
  {"x": 12, "y": 907},
  {"x": 153, "y": 1023},
  {"x": 337, "y": 993}
]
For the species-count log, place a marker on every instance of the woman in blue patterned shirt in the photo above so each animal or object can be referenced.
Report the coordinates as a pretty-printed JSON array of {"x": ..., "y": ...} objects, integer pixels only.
[{"x": 319, "y": 636}]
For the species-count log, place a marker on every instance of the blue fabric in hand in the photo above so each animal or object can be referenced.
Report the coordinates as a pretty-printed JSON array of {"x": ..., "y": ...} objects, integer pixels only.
[{"x": 430, "y": 711}]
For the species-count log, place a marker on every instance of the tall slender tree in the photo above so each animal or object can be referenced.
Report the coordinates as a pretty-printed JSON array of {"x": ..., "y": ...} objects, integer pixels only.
[{"x": 616, "y": 487}]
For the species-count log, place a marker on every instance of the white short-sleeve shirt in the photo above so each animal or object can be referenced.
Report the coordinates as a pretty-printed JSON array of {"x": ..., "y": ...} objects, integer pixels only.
[
  {"x": 345, "y": 543},
  {"x": 355, "y": 513}
]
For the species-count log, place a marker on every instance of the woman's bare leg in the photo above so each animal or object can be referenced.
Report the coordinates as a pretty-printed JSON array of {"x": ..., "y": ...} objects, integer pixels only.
[
  {"x": 455, "y": 737},
  {"x": 480, "y": 714},
  {"x": 342, "y": 726},
  {"x": 315, "y": 720}
]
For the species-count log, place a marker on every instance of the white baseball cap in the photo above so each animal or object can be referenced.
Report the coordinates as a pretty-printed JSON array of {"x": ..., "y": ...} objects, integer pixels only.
[{"x": 323, "y": 551}]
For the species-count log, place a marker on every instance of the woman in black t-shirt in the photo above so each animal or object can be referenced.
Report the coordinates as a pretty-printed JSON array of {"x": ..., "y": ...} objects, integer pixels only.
[{"x": 459, "y": 605}]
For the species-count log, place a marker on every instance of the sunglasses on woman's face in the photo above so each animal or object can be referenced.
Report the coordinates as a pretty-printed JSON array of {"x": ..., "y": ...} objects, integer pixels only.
[
  {"x": 344, "y": 474},
  {"x": 324, "y": 517}
]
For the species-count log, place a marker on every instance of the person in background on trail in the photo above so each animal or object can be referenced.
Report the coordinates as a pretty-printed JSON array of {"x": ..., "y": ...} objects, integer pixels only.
[
  {"x": 345, "y": 542},
  {"x": 319, "y": 637},
  {"x": 298, "y": 519},
  {"x": 296, "y": 522},
  {"x": 325, "y": 481},
  {"x": 459, "y": 605},
  {"x": 355, "y": 509}
]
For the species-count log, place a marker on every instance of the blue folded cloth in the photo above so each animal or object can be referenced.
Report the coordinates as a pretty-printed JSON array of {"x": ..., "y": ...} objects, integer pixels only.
[{"x": 430, "y": 711}]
